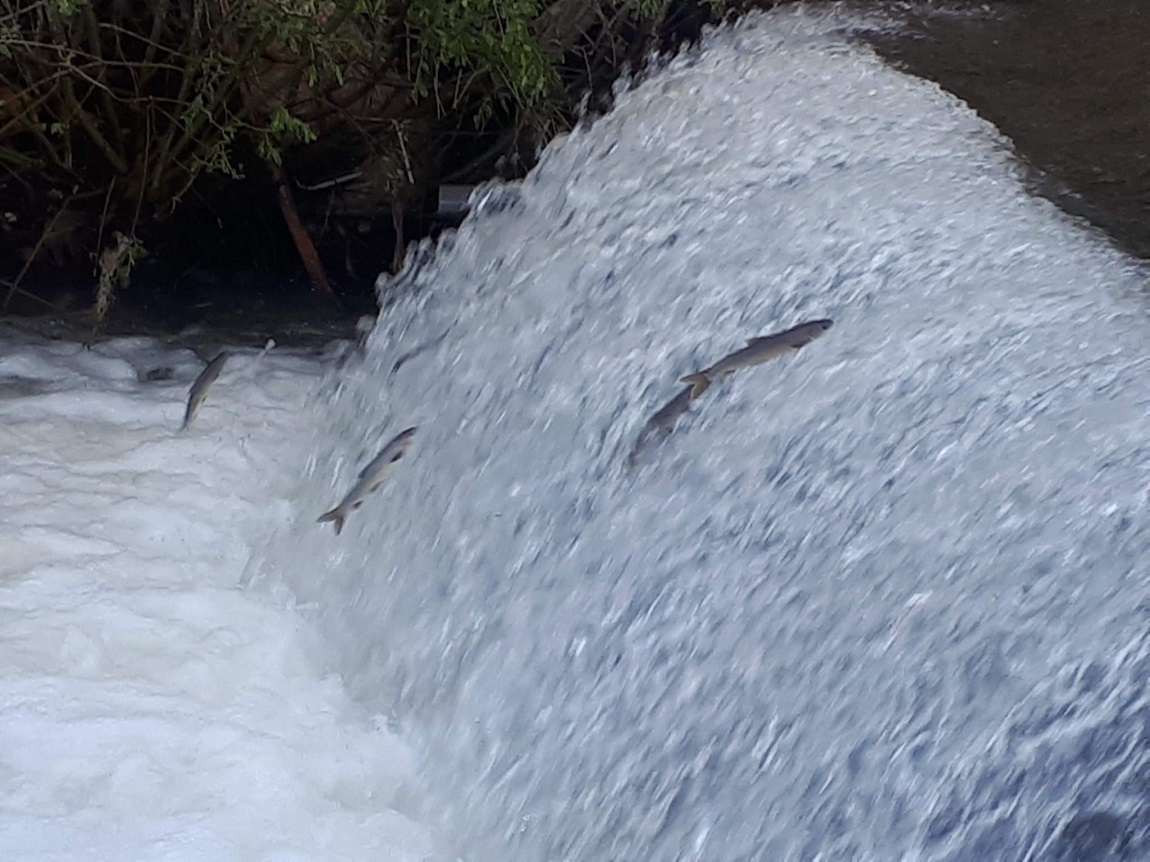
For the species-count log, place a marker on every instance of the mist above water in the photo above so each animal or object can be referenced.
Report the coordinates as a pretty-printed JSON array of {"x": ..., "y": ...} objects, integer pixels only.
[{"x": 885, "y": 598}]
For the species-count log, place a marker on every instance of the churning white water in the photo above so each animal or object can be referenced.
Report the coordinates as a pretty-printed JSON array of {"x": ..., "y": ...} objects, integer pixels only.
[
  {"x": 149, "y": 709},
  {"x": 884, "y": 599}
]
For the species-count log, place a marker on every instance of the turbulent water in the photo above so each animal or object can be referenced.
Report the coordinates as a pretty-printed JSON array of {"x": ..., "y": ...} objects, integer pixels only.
[{"x": 883, "y": 599}]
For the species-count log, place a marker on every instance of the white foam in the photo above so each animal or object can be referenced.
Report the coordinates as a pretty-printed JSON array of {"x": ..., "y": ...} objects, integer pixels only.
[{"x": 149, "y": 708}]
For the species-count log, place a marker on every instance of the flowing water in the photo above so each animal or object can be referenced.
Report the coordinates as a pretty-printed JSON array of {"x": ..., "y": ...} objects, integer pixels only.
[{"x": 886, "y": 598}]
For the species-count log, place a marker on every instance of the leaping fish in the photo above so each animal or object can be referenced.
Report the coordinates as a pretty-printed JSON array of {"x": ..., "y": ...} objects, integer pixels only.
[
  {"x": 757, "y": 351},
  {"x": 370, "y": 478},
  {"x": 662, "y": 422},
  {"x": 200, "y": 387}
]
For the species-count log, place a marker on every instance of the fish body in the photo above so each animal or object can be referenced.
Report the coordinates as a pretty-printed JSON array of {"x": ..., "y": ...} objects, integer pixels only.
[
  {"x": 665, "y": 418},
  {"x": 370, "y": 478},
  {"x": 200, "y": 387},
  {"x": 662, "y": 422},
  {"x": 758, "y": 351}
]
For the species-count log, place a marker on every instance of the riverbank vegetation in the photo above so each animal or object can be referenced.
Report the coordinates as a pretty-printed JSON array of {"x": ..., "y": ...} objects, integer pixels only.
[{"x": 154, "y": 144}]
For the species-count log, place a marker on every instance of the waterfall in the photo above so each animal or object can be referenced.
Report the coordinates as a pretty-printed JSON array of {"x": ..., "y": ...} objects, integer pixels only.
[{"x": 884, "y": 598}]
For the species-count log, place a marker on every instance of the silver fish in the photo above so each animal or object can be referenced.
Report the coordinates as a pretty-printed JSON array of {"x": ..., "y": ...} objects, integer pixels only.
[
  {"x": 370, "y": 478},
  {"x": 758, "y": 350},
  {"x": 200, "y": 387},
  {"x": 662, "y": 422}
]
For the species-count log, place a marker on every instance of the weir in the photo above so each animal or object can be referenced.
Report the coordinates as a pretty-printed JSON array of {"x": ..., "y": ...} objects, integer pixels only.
[{"x": 882, "y": 599}]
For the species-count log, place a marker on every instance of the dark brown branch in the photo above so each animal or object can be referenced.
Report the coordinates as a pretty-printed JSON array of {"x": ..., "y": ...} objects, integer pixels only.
[
  {"x": 14, "y": 285},
  {"x": 159, "y": 18},
  {"x": 101, "y": 77},
  {"x": 225, "y": 92},
  {"x": 299, "y": 234},
  {"x": 187, "y": 81},
  {"x": 88, "y": 124}
]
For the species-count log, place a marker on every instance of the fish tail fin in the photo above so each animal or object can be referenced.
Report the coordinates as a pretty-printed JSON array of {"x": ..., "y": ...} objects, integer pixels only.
[
  {"x": 335, "y": 516},
  {"x": 699, "y": 383},
  {"x": 638, "y": 452}
]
